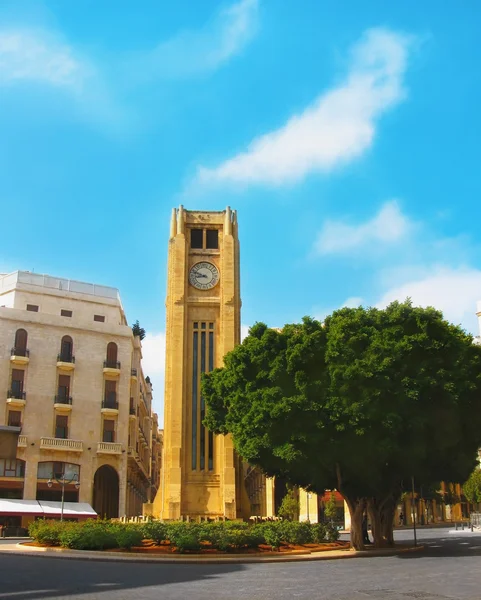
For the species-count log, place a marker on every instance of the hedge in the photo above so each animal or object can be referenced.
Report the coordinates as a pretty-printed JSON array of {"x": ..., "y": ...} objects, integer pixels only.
[{"x": 183, "y": 536}]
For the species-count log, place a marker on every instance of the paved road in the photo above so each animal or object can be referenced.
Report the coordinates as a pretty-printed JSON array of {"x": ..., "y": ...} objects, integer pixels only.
[{"x": 450, "y": 569}]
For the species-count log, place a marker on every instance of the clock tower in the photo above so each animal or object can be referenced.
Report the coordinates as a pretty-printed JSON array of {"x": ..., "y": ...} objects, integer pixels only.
[{"x": 202, "y": 476}]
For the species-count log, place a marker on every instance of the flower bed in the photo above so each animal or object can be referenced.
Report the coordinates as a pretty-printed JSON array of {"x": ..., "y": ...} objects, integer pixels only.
[{"x": 182, "y": 537}]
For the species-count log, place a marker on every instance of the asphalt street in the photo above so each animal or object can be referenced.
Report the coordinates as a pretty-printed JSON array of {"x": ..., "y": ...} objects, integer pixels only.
[{"x": 449, "y": 569}]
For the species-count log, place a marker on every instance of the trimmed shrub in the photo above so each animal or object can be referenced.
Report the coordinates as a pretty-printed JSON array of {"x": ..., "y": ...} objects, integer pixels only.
[
  {"x": 318, "y": 532},
  {"x": 187, "y": 542},
  {"x": 296, "y": 533},
  {"x": 46, "y": 532},
  {"x": 332, "y": 532},
  {"x": 89, "y": 535},
  {"x": 273, "y": 533},
  {"x": 184, "y": 536},
  {"x": 155, "y": 531},
  {"x": 127, "y": 537}
]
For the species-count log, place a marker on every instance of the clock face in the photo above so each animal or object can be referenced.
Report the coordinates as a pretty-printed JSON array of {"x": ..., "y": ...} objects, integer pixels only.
[{"x": 204, "y": 275}]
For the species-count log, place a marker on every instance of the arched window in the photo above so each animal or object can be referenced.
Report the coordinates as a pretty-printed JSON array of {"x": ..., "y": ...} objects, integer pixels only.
[
  {"x": 20, "y": 348},
  {"x": 66, "y": 349},
  {"x": 112, "y": 356}
]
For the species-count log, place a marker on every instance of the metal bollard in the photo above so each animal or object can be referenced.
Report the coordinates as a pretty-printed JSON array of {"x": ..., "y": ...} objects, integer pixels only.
[
  {"x": 462, "y": 526},
  {"x": 455, "y": 527}
]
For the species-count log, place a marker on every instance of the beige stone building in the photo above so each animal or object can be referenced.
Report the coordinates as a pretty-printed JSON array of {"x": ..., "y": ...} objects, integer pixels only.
[{"x": 71, "y": 376}]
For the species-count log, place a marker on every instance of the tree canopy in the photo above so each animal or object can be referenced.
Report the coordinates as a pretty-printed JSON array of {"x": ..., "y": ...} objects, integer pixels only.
[
  {"x": 137, "y": 330},
  {"x": 472, "y": 487},
  {"x": 360, "y": 403}
]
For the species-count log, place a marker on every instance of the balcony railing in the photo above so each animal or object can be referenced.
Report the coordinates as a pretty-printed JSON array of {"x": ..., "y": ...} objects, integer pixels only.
[
  {"x": 20, "y": 352},
  {"x": 110, "y": 403},
  {"x": 133, "y": 372},
  {"x": 16, "y": 394},
  {"x": 109, "y": 448},
  {"x": 49, "y": 443},
  {"x": 66, "y": 358},
  {"x": 22, "y": 441},
  {"x": 63, "y": 399},
  {"x": 111, "y": 364}
]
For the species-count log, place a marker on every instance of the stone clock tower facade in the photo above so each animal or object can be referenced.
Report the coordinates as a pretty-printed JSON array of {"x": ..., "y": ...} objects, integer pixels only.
[{"x": 201, "y": 474}]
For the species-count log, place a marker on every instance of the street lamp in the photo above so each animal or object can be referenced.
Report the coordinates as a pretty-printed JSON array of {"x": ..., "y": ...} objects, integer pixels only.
[{"x": 63, "y": 481}]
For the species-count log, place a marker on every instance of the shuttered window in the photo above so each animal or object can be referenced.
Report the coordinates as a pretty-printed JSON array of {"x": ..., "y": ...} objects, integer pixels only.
[
  {"x": 109, "y": 431},
  {"x": 14, "y": 418},
  {"x": 61, "y": 426}
]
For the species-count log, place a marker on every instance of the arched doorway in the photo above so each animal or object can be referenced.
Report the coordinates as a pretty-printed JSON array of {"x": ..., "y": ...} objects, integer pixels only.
[{"x": 106, "y": 492}]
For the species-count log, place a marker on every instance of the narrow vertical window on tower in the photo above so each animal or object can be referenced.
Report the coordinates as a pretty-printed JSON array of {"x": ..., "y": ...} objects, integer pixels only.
[
  {"x": 202, "y": 401},
  {"x": 211, "y": 368},
  {"x": 196, "y": 238},
  {"x": 194, "y": 396},
  {"x": 212, "y": 239}
]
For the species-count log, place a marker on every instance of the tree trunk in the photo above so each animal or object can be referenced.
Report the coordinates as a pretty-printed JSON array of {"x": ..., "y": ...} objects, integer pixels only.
[
  {"x": 387, "y": 522},
  {"x": 376, "y": 522},
  {"x": 356, "y": 509}
]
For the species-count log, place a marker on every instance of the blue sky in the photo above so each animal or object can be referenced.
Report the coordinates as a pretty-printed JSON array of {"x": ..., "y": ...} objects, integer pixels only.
[{"x": 345, "y": 133}]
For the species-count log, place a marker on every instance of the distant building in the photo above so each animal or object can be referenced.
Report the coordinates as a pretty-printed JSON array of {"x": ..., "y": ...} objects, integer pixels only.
[{"x": 71, "y": 376}]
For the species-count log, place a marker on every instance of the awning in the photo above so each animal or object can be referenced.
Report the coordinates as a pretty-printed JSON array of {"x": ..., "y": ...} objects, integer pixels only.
[{"x": 43, "y": 508}]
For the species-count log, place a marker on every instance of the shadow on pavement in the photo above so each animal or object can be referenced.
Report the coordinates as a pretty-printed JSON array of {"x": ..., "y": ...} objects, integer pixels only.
[
  {"x": 31, "y": 577},
  {"x": 449, "y": 545}
]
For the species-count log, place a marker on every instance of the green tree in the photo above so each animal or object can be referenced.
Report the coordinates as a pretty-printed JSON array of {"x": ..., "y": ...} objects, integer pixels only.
[
  {"x": 330, "y": 509},
  {"x": 289, "y": 508},
  {"x": 137, "y": 330},
  {"x": 472, "y": 487},
  {"x": 359, "y": 404}
]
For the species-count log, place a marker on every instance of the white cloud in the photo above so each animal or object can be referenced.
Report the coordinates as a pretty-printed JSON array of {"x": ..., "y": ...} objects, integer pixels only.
[
  {"x": 353, "y": 302},
  {"x": 153, "y": 365},
  {"x": 192, "y": 52},
  {"x": 40, "y": 57},
  {"x": 387, "y": 227},
  {"x": 339, "y": 126},
  {"x": 244, "y": 332},
  {"x": 455, "y": 291},
  {"x": 37, "y": 56}
]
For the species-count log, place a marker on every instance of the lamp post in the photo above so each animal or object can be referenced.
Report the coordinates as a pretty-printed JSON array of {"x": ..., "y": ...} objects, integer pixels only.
[{"x": 63, "y": 481}]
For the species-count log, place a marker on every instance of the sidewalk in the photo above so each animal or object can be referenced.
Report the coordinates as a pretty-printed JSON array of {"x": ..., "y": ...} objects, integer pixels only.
[{"x": 61, "y": 553}]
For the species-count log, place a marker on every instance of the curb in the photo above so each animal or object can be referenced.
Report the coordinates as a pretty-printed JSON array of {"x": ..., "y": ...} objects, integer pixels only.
[{"x": 101, "y": 556}]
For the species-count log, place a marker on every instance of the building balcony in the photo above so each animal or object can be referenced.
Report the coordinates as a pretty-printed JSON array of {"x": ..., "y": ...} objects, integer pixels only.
[
  {"x": 65, "y": 362},
  {"x": 143, "y": 438},
  {"x": 63, "y": 403},
  {"x": 50, "y": 443},
  {"x": 138, "y": 461},
  {"x": 20, "y": 356},
  {"x": 109, "y": 448},
  {"x": 133, "y": 374},
  {"x": 112, "y": 367},
  {"x": 16, "y": 398},
  {"x": 110, "y": 406},
  {"x": 22, "y": 441}
]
